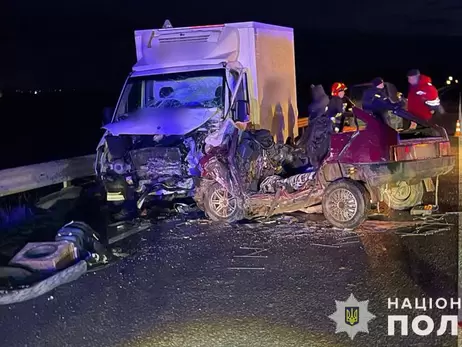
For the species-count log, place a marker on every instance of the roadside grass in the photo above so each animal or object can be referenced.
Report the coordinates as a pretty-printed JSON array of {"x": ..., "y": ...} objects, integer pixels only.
[
  {"x": 19, "y": 209},
  {"x": 16, "y": 209},
  {"x": 22, "y": 222}
]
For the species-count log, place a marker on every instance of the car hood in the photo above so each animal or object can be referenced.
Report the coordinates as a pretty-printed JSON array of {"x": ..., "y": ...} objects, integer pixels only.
[{"x": 152, "y": 121}]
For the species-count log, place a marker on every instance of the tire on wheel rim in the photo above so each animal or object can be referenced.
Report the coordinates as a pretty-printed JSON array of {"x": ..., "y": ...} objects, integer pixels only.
[
  {"x": 345, "y": 204},
  {"x": 221, "y": 206},
  {"x": 404, "y": 196}
]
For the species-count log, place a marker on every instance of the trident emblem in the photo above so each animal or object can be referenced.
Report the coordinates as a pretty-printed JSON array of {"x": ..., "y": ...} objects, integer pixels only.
[{"x": 351, "y": 315}]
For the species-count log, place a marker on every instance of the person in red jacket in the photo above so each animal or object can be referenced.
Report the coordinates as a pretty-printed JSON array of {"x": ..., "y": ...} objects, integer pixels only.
[{"x": 423, "y": 99}]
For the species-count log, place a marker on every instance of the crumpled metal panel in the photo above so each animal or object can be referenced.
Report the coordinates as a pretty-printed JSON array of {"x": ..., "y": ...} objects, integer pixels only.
[
  {"x": 256, "y": 163},
  {"x": 271, "y": 184},
  {"x": 193, "y": 157},
  {"x": 157, "y": 162},
  {"x": 258, "y": 205}
]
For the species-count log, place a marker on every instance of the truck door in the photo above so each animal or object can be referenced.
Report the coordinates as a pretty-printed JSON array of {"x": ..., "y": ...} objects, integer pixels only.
[{"x": 241, "y": 108}]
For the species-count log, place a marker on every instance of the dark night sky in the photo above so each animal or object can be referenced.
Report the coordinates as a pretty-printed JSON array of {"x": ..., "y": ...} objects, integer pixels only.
[{"x": 89, "y": 44}]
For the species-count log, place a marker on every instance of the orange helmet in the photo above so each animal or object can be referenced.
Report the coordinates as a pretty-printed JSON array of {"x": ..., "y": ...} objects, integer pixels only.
[{"x": 338, "y": 87}]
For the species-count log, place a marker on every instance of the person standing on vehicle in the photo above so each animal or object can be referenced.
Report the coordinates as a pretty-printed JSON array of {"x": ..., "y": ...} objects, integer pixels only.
[
  {"x": 336, "y": 107},
  {"x": 315, "y": 141},
  {"x": 376, "y": 101},
  {"x": 423, "y": 100}
]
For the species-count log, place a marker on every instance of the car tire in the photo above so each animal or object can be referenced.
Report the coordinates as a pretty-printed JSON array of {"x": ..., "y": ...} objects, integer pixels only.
[
  {"x": 406, "y": 198},
  {"x": 340, "y": 195},
  {"x": 217, "y": 196}
]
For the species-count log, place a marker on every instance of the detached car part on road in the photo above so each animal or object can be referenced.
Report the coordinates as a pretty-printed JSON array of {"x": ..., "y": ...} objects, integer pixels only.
[
  {"x": 244, "y": 177},
  {"x": 40, "y": 267}
]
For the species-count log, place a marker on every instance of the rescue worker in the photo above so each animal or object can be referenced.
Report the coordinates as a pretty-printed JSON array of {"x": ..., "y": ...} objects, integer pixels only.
[
  {"x": 375, "y": 100},
  {"x": 423, "y": 100},
  {"x": 336, "y": 107}
]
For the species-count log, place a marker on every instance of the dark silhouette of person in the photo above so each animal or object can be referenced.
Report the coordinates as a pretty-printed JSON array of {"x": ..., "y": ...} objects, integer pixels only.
[{"x": 316, "y": 140}]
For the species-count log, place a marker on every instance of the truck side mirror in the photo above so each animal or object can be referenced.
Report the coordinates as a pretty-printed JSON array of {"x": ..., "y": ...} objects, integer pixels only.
[{"x": 107, "y": 115}]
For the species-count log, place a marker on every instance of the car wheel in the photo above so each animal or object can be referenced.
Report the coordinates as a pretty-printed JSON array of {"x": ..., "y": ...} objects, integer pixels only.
[
  {"x": 345, "y": 204},
  {"x": 404, "y": 196},
  {"x": 221, "y": 206}
]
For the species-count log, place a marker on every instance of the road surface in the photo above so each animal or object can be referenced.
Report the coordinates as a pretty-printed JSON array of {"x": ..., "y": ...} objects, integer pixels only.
[{"x": 186, "y": 283}]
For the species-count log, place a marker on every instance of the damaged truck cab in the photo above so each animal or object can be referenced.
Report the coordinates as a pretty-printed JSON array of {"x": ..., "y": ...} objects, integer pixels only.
[{"x": 187, "y": 83}]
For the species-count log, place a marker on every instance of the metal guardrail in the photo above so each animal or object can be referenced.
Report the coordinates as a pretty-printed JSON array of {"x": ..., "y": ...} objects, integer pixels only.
[
  {"x": 25, "y": 178},
  {"x": 21, "y": 179}
]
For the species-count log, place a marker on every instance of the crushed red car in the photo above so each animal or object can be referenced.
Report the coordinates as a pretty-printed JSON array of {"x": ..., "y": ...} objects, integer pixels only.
[{"x": 247, "y": 176}]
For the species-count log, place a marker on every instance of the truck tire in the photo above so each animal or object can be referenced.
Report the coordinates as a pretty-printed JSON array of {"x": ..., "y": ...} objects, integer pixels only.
[
  {"x": 345, "y": 204},
  {"x": 221, "y": 206},
  {"x": 405, "y": 196}
]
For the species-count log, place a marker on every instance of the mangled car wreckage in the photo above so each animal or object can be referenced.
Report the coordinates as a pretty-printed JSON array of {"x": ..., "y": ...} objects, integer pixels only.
[
  {"x": 186, "y": 83},
  {"x": 176, "y": 133},
  {"x": 250, "y": 176}
]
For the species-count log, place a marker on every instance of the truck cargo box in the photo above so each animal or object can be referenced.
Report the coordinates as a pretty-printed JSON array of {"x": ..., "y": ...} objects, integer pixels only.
[{"x": 266, "y": 51}]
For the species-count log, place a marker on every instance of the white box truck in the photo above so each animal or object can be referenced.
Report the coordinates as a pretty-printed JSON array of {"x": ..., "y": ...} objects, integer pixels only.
[{"x": 186, "y": 83}]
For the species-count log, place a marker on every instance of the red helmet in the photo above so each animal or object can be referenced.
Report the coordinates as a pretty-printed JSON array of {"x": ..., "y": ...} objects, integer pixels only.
[{"x": 338, "y": 87}]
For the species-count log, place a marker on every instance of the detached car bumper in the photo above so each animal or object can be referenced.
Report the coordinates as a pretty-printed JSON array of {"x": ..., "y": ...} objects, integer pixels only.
[
  {"x": 62, "y": 277},
  {"x": 409, "y": 171}
]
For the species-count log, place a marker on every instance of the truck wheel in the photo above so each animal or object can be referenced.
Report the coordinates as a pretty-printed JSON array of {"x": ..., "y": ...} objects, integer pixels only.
[
  {"x": 345, "y": 204},
  {"x": 404, "y": 196},
  {"x": 221, "y": 206}
]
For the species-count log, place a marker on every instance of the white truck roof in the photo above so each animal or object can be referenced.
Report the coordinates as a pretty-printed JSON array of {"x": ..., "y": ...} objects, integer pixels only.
[
  {"x": 196, "y": 45},
  {"x": 267, "y": 51}
]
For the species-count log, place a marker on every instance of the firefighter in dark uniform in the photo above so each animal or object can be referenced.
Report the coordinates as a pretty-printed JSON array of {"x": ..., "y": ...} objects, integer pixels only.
[
  {"x": 336, "y": 107},
  {"x": 376, "y": 101}
]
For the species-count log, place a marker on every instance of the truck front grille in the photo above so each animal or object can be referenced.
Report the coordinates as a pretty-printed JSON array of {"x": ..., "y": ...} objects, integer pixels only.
[{"x": 155, "y": 162}]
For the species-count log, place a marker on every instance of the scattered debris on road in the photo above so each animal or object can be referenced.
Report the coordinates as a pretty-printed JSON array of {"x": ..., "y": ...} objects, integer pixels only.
[{"x": 255, "y": 254}]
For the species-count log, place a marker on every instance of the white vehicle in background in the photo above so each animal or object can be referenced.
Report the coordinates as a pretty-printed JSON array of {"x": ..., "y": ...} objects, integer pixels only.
[{"x": 187, "y": 86}]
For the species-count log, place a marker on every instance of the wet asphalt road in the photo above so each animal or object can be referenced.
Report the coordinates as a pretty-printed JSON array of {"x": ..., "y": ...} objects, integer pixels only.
[{"x": 187, "y": 285}]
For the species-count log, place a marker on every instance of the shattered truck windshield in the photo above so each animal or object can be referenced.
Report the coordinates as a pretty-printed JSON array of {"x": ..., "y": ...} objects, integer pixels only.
[{"x": 196, "y": 89}]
